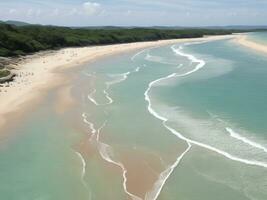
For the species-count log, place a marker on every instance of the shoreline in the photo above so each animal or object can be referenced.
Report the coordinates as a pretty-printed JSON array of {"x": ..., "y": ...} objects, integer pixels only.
[
  {"x": 42, "y": 71},
  {"x": 244, "y": 41}
]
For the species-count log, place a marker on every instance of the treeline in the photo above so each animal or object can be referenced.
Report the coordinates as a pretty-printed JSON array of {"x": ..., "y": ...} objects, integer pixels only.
[{"x": 16, "y": 41}]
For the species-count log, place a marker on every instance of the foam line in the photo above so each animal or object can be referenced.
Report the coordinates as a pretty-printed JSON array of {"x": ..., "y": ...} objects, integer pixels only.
[
  {"x": 153, "y": 195},
  {"x": 83, "y": 167},
  {"x": 110, "y": 100},
  {"x": 245, "y": 140},
  {"x": 99, "y": 130},
  {"x": 106, "y": 153},
  {"x": 156, "y": 59},
  {"x": 194, "y": 43},
  {"x": 124, "y": 77},
  {"x": 163, "y": 177},
  {"x": 154, "y": 113},
  {"x": 91, "y": 125},
  {"x": 223, "y": 153},
  {"x": 189, "y": 141},
  {"x": 83, "y": 172},
  {"x": 90, "y": 97},
  {"x": 237, "y": 136},
  {"x": 137, "y": 69},
  {"x": 108, "y": 85},
  {"x": 140, "y": 52},
  {"x": 179, "y": 66},
  {"x": 193, "y": 59}
]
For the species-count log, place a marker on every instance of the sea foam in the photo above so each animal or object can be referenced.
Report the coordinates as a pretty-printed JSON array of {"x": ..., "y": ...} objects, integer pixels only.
[
  {"x": 245, "y": 140},
  {"x": 163, "y": 177},
  {"x": 107, "y": 154},
  {"x": 159, "y": 184},
  {"x": 117, "y": 79},
  {"x": 157, "y": 59},
  {"x": 83, "y": 173}
]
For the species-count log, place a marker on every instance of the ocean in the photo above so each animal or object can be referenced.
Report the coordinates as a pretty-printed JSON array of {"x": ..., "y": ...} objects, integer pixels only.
[
  {"x": 258, "y": 37},
  {"x": 183, "y": 121}
]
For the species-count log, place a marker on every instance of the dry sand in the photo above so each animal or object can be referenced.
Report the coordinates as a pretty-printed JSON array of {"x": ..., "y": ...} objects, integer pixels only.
[
  {"x": 244, "y": 41},
  {"x": 42, "y": 71}
]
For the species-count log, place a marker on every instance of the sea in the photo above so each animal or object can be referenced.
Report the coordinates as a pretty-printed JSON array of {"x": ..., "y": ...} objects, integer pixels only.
[{"x": 183, "y": 121}]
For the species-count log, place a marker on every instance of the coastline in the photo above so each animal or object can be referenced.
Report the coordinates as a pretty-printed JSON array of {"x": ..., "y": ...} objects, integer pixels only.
[
  {"x": 42, "y": 71},
  {"x": 244, "y": 41}
]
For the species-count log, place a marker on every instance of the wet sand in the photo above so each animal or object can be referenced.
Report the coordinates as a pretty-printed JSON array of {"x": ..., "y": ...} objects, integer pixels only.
[
  {"x": 41, "y": 71},
  {"x": 244, "y": 41}
]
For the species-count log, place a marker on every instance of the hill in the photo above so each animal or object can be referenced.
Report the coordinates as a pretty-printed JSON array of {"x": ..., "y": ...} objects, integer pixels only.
[
  {"x": 17, "y": 23},
  {"x": 21, "y": 40}
]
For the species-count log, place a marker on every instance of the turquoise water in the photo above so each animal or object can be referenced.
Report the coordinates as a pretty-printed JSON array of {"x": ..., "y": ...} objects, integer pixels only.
[
  {"x": 259, "y": 37},
  {"x": 185, "y": 121},
  {"x": 37, "y": 160}
]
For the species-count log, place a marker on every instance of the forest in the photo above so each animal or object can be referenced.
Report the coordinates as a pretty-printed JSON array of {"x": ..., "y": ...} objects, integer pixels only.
[{"x": 21, "y": 40}]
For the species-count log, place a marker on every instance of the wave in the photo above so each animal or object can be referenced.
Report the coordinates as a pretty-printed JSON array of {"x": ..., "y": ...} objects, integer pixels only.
[
  {"x": 165, "y": 120},
  {"x": 83, "y": 173},
  {"x": 221, "y": 152},
  {"x": 165, "y": 174},
  {"x": 163, "y": 177},
  {"x": 201, "y": 64},
  {"x": 122, "y": 77},
  {"x": 194, "y": 43},
  {"x": 245, "y": 140},
  {"x": 83, "y": 167},
  {"x": 83, "y": 164},
  {"x": 193, "y": 59},
  {"x": 139, "y": 53},
  {"x": 137, "y": 69},
  {"x": 106, "y": 152},
  {"x": 90, "y": 97},
  {"x": 157, "y": 59},
  {"x": 238, "y": 136},
  {"x": 99, "y": 130},
  {"x": 90, "y": 124},
  {"x": 110, "y": 100},
  {"x": 179, "y": 66}
]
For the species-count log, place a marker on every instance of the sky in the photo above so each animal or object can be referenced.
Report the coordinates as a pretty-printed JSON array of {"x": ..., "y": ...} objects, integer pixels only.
[{"x": 136, "y": 12}]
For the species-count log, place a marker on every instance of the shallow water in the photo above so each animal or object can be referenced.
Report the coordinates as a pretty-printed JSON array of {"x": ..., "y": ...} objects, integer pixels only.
[
  {"x": 185, "y": 121},
  {"x": 259, "y": 37}
]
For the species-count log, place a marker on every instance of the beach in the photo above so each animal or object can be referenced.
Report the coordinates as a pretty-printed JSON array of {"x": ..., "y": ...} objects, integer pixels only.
[
  {"x": 140, "y": 121},
  {"x": 41, "y": 71},
  {"x": 246, "y": 42},
  {"x": 133, "y": 100}
]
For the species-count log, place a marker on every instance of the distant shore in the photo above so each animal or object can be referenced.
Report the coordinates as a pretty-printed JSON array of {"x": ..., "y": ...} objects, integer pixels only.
[
  {"x": 244, "y": 41},
  {"x": 41, "y": 71}
]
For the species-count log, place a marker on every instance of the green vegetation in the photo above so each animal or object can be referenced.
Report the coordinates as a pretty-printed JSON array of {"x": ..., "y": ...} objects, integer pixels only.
[
  {"x": 4, "y": 73},
  {"x": 23, "y": 40}
]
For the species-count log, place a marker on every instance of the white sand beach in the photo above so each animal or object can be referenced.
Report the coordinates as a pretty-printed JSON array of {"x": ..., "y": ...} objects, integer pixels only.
[
  {"x": 39, "y": 72},
  {"x": 244, "y": 41}
]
